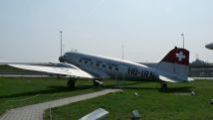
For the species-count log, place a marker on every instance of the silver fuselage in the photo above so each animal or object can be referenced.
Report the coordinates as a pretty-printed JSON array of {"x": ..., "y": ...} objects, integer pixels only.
[{"x": 105, "y": 67}]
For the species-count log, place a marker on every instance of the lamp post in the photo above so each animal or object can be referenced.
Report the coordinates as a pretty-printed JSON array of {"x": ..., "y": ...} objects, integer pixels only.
[
  {"x": 183, "y": 39},
  {"x": 60, "y": 43}
]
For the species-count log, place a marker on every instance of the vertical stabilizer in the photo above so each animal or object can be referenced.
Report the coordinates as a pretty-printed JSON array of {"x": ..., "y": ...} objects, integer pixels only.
[{"x": 176, "y": 62}]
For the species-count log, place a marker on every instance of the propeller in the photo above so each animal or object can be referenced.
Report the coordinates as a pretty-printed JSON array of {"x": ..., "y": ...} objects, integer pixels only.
[{"x": 61, "y": 59}]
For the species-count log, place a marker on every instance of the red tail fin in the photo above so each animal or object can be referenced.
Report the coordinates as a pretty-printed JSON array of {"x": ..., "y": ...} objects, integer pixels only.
[{"x": 178, "y": 56}]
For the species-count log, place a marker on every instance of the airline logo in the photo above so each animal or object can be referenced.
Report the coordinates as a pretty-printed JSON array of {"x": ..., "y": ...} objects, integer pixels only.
[{"x": 180, "y": 56}]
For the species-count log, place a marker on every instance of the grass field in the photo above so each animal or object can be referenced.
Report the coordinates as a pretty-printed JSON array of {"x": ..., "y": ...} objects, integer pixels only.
[
  {"x": 16, "y": 92},
  {"x": 6, "y": 68},
  {"x": 177, "y": 104}
]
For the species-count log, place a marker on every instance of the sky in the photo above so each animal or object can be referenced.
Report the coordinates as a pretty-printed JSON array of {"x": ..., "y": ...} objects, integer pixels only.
[{"x": 147, "y": 29}]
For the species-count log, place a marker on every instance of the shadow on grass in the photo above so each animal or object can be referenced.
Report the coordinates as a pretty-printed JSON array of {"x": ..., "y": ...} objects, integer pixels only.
[
  {"x": 185, "y": 89},
  {"x": 125, "y": 86},
  {"x": 176, "y": 89},
  {"x": 129, "y": 87},
  {"x": 50, "y": 90}
]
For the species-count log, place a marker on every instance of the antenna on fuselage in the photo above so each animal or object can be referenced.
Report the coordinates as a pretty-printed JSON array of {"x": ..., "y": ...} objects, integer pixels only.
[{"x": 61, "y": 43}]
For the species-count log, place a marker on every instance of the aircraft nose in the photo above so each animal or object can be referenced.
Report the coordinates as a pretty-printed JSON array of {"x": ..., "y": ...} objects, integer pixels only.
[
  {"x": 61, "y": 59},
  {"x": 209, "y": 46}
]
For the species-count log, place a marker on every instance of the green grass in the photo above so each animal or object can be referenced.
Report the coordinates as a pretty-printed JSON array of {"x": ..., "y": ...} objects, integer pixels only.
[
  {"x": 6, "y": 68},
  {"x": 151, "y": 103},
  {"x": 16, "y": 92}
]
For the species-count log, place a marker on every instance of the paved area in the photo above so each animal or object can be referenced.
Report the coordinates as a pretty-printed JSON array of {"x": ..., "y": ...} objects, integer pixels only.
[{"x": 36, "y": 111}]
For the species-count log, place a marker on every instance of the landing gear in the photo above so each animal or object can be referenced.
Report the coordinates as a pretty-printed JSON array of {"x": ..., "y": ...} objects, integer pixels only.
[
  {"x": 164, "y": 87},
  {"x": 97, "y": 83},
  {"x": 71, "y": 83}
]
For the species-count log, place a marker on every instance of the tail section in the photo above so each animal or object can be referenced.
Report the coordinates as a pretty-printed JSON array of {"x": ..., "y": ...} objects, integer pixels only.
[{"x": 175, "y": 64}]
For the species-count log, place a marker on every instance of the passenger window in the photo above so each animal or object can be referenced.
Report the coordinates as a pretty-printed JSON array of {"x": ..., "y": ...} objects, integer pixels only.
[
  {"x": 97, "y": 64},
  {"x": 110, "y": 67},
  {"x": 80, "y": 61}
]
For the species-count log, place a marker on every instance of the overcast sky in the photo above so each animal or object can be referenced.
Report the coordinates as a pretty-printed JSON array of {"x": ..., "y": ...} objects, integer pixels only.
[{"x": 148, "y": 29}]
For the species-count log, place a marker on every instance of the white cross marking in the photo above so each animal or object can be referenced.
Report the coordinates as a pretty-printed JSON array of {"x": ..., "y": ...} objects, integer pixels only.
[{"x": 180, "y": 56}]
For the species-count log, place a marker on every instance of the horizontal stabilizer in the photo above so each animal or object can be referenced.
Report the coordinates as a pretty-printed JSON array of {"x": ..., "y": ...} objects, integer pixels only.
[
  {"x": 166, "y": 79},
  {"x": 190, "y": 79},
  {"x": 174, "y": 79}
]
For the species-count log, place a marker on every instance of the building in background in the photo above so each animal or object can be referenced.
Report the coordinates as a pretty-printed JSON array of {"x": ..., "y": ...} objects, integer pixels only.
[{"x": 199, "y": 68}]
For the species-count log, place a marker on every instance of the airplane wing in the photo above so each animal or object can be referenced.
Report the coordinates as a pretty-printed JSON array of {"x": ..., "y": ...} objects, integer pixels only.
[{"x": 71, "y": 70}]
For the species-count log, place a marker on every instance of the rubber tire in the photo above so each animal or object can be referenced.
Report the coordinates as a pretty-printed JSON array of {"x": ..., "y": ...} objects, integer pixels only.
[{"x": 71, "y": 84}]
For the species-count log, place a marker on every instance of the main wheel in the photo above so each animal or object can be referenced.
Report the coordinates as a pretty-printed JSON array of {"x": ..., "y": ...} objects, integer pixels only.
[
  {"x": 97, "y": 83},
  {"x": 71, "y": 83},
  {"x": 164, "y": 87}
]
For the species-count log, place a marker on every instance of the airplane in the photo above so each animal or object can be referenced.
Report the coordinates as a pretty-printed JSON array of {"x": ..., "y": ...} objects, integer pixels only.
[
  {"x": 172, "y": 68},
  {"x": 209, "y": 46}
]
